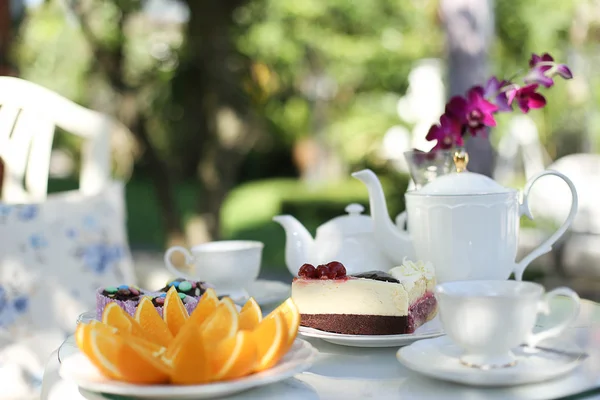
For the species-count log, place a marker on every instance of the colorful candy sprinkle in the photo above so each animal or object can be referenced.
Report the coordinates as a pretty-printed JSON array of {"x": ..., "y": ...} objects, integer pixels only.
[
  {"x": 111, "y": 289},
  {"x": 123, "y": 287},
  {"x": 185, "y": 286},
  {"x": 134, "y": 291},
  {"x": 193, "y": 285},
  {"x": 160, "y": 300},
  {"x": 182, "y": 296},
  {"x": 162, "y": 295}
]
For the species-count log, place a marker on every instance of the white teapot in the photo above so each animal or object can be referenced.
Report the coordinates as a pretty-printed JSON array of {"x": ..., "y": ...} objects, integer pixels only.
[
  {"x": 348, "y": 239},
  {"x": 465, "y": 224}
]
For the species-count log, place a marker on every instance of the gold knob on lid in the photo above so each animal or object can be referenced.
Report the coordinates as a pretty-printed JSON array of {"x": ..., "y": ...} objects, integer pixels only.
[{"x": 461, "y": 159}]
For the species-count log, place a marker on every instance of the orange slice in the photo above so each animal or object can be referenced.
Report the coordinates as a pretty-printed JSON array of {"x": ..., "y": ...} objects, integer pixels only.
[
  {"x": 151, "y": 352},
  {"x": 206, "y": 306},
  {"x": 82, "y": 339},
  {"x": 250, "y": 315},
  {"x": 114, "y": 356},
  {"x": 223, "y": 323},
  {"x": 115, "y": 316},
  {"x": 189, "y": 362},
  {"x": 271, "y": 341},
  {"x": 289, "y": 311},
  {"x": 174, "y": 313},
  {"x": 149, "y": 320},
  {"x": 234, "y": 357}
]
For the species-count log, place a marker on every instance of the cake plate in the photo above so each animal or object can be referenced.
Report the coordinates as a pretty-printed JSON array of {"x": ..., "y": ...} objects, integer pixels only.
[
  {"x": 79, "y": 370},
  {"x": 429, "y": 330}
]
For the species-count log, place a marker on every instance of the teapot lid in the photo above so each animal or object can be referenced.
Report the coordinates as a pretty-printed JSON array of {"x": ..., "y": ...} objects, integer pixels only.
[
  {"x": 462, "y": 182},
  {"x": 458, "y": 183},
  {"x": 350, "y": 224}
]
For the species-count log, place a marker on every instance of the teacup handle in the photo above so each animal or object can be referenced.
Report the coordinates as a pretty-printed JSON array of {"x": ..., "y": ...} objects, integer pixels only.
[
  {"x": 189, "y": 258},
  {"x": 546, "y": 246},
  {"x": 544, "y": 308}
]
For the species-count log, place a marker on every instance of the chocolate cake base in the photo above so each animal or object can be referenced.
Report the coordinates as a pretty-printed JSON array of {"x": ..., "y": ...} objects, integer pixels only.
[
  {"x": 352, "y": 324},
  {"x": 423, "y": 310}
]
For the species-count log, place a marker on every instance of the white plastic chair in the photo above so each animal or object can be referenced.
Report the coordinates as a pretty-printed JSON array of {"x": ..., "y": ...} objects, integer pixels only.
[{"x": 29, "y": 114}]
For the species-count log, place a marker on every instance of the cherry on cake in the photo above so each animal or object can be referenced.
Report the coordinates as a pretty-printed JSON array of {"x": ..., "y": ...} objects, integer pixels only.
[{"x": 371, "y": 303}]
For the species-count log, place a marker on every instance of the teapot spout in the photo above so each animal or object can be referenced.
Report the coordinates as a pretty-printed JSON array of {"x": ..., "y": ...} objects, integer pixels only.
[
  {"x": 299, "y": 243},
  {"x": 396, "y": 243}
]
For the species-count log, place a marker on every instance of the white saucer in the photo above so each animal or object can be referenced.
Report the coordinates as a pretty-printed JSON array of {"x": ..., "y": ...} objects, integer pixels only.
[
  {"x": 79, "y": 370},
  {"x": 428, "y": 330},
  {"x": 438, "y": 358},
  {"x": 265, "y": 292}
]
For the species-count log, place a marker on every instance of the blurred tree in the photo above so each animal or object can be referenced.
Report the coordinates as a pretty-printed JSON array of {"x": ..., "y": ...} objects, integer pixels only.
[
  {"x": 211, "y": 87},
  {"x": 469, "y": 26},
  {"x": 242, "y": 75},
  {"x": 11, "y": 13},
  {"x": 321, "y": 75},
  {"x": 5, "y": 34},
  {"x": 157, "y": 86},
  {"x": 330, "y": 74},
  {"x": 537, "y": 27},
  {"x": 103, "y": 24},
  {"x": 584, "y": 34}
]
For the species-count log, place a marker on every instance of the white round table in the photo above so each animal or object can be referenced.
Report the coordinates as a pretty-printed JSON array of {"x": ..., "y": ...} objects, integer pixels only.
[{"x": 359, "y": 373}]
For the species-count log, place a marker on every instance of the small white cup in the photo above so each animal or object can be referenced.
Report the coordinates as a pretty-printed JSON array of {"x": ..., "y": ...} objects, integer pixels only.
[
  {"x": 489, "y": 318},
  {"x": 227, "y": 264}
]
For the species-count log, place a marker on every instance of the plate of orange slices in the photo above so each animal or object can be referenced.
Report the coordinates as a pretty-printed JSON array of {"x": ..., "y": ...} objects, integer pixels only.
[{"x": 217, "y": 350}]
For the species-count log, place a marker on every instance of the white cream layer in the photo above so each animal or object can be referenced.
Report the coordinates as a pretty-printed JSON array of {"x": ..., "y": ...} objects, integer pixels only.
[
  {"x": 352, "y": 296},
  {"x": 417, "y": 278}
]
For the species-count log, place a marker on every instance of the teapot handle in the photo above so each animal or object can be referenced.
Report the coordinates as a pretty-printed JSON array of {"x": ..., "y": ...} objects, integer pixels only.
[
  {"x": 546, "y": 246},
  {"x": 401, "y": 221}
]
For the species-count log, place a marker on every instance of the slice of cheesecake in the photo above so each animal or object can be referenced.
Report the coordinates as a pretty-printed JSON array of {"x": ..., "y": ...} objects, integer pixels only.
[{"x": 371, "y": 303}]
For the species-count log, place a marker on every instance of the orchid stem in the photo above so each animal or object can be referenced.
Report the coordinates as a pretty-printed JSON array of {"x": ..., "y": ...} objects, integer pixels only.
[{"x": 513, "y": 76}]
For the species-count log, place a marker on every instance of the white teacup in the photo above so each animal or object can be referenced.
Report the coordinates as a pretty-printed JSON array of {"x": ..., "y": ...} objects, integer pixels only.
[
  {"x": 489, "y": 318},
  {"x": 230, "y": 265}
]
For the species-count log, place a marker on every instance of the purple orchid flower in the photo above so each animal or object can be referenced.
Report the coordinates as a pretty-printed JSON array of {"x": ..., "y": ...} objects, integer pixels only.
[
  {"x": 527, "y": 98},
  {"x": 544, "y": 68},
  {"x": 493, "y": 91},
  {"x": 475, "y": 111},
  {"x": 447, "y": 133},
  {"x": 456, "y": 107}
]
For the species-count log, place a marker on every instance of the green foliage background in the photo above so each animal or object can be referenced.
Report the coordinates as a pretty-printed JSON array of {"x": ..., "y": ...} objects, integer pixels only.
[{"x": 364, "y": 49}]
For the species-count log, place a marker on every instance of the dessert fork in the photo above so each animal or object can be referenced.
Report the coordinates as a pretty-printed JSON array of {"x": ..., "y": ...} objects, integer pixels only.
[{"x": 566, "y": 353}]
